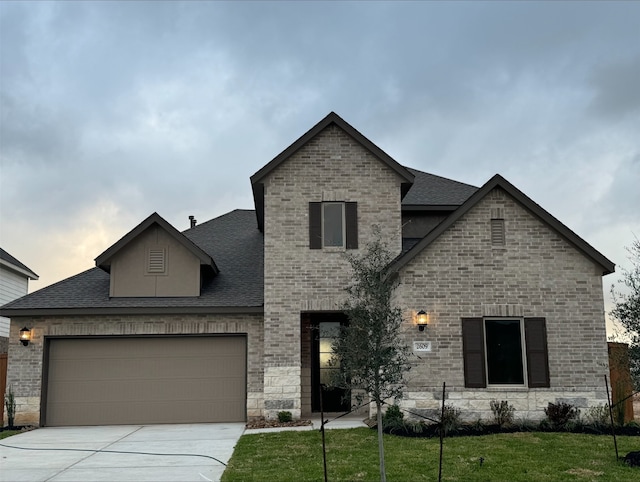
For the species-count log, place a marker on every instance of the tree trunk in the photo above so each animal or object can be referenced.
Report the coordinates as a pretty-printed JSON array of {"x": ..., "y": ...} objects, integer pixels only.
[{"x": 383, "y": 475}]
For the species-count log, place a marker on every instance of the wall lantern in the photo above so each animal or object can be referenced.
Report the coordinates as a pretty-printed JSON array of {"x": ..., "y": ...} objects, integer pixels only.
[
  {"x": 25, "y": 336},
  {"x": 423, "y": 319}
]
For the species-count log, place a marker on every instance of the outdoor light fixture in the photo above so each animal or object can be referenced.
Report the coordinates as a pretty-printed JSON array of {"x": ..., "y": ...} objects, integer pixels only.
[
  {"x": 25, "y": 336},
  {"x": 423, "y": 319}
]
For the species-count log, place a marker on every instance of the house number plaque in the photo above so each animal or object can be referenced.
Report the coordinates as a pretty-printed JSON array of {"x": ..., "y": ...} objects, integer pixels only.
[{"x": 422, "y": 346}]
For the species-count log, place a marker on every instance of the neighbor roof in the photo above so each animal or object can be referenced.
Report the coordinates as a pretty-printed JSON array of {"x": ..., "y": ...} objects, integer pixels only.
[
  {"x": 12, "y": 263},
  {"x": 332, "y": 118},
  {"x": 232, "y": 239},
  {"x": 500, "y": 182}
]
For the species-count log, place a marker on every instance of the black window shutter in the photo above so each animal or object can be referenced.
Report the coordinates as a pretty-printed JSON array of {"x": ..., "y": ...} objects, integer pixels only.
[
  {"x": 351, "y": 223},
  {"x": 473, "y": 353},
  {"x": 535, "y": 334},
  {"x": 315, "y": 225}
]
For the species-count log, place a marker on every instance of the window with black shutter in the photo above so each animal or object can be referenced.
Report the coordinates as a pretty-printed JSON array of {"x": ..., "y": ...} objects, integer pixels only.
[
  {"x": 493, "y": 352},
  {"x": 333, "y": 224}
]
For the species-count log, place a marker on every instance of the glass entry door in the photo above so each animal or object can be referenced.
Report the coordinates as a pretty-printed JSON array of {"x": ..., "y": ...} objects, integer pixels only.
[{"x": 326, "y": 327}]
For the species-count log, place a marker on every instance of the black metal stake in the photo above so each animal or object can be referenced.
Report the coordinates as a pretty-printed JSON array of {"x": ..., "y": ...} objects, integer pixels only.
[
  {"x": 444, "y": 384},
  {"x": 324, "y": 447},
  {"x": 613, "y": 430}
]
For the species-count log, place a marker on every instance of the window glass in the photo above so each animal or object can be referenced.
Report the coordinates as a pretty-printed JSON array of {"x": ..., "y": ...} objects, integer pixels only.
[
  {"x": 333, "y": 224},
  {"x": 504, "y": 352}
]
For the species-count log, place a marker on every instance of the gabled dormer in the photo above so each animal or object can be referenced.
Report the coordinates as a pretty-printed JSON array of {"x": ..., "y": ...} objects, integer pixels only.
[{"x": 156, "y": 260}]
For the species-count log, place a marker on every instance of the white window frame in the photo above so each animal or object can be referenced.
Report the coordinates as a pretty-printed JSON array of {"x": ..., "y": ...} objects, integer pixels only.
[
  {"x": 523, "y": 353},
  {"x": 344, "y": 225}
]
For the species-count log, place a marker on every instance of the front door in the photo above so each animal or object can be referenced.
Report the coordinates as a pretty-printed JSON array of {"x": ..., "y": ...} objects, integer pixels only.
[{"x": 325, "y": 328}]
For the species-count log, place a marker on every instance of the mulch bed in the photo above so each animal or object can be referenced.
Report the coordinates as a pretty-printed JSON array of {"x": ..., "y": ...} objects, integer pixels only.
[{"x": 263, "y": 423}]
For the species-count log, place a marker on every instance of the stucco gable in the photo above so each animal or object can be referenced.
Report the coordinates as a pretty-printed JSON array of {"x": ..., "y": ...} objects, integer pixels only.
[
  {"x": 498, "y": 181},
  {"x": 257, "y": 180}
]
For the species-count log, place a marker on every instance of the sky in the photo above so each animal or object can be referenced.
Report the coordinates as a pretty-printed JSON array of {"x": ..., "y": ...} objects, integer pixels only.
[{"x": 110, "y": 111}]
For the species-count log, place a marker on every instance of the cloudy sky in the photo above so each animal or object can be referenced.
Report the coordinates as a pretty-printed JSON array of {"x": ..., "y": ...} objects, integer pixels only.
[{"x": 111, "y": 111}]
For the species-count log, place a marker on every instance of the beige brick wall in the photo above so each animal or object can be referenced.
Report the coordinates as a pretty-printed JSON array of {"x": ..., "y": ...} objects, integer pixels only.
[
  {"x": 25, "y": 363},
  {"x": 331, "y": 167},
  {"x": 536, "y": 274}
]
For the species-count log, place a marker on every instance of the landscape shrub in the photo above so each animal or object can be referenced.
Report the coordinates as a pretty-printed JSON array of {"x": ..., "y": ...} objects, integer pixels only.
[
  {"x": 598, "y": 416},
  {"x": 560, "y": 415},
  {"x": 503, "y": 412},
  {"x": 284, "y": 417},
  {"x": 451, "y": 419},
  {"x": 393, "y": 419}
]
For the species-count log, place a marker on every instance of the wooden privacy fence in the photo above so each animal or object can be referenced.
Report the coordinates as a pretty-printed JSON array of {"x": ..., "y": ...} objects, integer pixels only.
[
  {"x": 621, "y": 384},
  {"x": 3, "y": 383}
]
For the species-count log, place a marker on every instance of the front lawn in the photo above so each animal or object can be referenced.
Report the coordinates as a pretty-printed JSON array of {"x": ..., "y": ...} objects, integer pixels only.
[
  {"x": 353, "y": 455},
  {"x": 8, "y": 433}
]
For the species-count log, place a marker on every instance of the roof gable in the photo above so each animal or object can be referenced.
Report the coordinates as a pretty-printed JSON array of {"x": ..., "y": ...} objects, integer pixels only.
[
  {"x": 12, "y": 263},
  {"x": 332, "y": 118},
  {"x": 498, "y": 181},
  {"x": 104, "y": 260}
]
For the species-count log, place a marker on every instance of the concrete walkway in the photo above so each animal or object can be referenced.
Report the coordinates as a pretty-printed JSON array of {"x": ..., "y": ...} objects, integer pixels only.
[{"x": 81, "y": 462}]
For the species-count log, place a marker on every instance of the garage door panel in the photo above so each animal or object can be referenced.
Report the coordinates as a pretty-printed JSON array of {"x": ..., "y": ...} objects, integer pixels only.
[{"x": 146, "y": 380}]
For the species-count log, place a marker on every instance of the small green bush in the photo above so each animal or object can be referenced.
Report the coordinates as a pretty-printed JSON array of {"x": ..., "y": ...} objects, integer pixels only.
[
  {"x": 393, "y": 419},
  {"x": 284, "y": 417},
  {"x": 561, "y": 414},
  {"x": 502, "y": 412},
  {"x": 10, "y": 404}
]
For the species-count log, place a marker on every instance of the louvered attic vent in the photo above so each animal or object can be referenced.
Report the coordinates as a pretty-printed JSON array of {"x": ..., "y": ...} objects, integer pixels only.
[
  {"x": 157, "y": 260},
  {"x": 497, "y": 232}
]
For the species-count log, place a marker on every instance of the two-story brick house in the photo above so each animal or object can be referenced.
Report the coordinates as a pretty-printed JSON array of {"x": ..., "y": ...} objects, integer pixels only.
[{"x": 231, "y": 318}]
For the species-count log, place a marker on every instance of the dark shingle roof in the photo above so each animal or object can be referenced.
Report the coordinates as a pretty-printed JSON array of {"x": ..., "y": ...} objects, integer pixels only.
[
  {"x": 14, "y": 263},
  {"x": 233, "y": 240},
  {"x": 431, "y": 190}
]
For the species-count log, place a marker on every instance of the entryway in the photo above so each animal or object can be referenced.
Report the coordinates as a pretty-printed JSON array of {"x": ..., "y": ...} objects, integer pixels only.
[{"x": 323, "y": 329}]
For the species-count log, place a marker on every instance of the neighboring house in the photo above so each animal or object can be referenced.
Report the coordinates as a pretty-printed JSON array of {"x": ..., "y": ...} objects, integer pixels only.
[
  {"x": 14, "y": 283},
  {"x": 231, "y": 319}
]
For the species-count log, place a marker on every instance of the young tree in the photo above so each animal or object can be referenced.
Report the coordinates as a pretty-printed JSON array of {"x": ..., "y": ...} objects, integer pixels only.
[
  {"x": 369, "y": 351},
  {"x": 627, "y": 309}
]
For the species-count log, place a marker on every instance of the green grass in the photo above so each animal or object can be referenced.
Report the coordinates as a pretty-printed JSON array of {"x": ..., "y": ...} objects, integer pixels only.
[
  {"x": 8, "y": 433},
  {"x": 353, "y": 455}
]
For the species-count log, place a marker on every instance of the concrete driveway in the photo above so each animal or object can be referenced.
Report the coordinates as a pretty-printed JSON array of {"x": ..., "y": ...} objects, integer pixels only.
[{"x": 164, "y": 453}]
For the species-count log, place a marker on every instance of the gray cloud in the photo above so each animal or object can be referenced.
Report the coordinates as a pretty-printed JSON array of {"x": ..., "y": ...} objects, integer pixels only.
[{"x": 114, "y": 110}]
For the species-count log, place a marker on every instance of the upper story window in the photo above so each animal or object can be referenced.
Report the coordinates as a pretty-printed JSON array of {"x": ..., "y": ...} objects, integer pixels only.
[{"x": 333, "y": 224}]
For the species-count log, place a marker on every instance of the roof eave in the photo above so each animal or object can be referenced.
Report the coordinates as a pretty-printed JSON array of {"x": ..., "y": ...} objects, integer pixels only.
[
  {"x": 25, "y": 272},
  {"x": 97, "y": 311}
]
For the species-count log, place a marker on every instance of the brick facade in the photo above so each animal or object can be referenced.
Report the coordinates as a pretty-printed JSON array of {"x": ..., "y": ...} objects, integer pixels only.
[
  {"x": 535, "y": 274},
  {"x": 26, "y": 363},
  {"x": 331, "y": 167}
]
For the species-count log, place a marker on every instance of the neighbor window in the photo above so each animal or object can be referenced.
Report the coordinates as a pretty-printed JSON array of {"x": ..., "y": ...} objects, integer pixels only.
[
  {"x": 503, "y": 342},
  {"x": 333, "y": 224}
]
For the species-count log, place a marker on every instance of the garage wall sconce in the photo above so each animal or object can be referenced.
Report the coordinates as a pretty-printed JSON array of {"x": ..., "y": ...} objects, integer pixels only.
[
  {"x": 422, "y": 319},
  {"x": 25, "y": 336}
]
